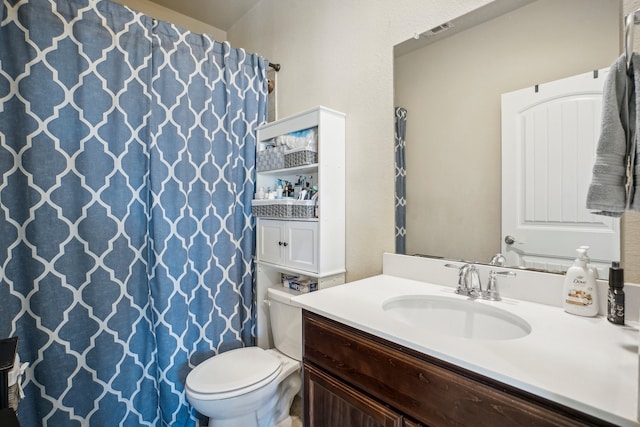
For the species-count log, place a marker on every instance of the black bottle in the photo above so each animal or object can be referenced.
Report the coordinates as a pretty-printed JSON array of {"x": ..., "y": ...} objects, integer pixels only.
[{"x": 615, "y": 309}]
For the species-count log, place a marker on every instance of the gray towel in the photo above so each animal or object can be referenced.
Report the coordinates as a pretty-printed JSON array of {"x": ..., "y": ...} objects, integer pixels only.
[
  {"x": 608, "y": 193},
  {"x": 633, "y": 182}
]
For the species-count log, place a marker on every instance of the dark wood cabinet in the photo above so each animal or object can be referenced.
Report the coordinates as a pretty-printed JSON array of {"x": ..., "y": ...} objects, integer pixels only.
[
  {"x": 356, "y": 379},
  {"x": 333, "y": 403}
]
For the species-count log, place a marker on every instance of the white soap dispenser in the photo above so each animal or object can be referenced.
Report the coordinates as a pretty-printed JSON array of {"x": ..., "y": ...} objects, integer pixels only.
[
  {"x": 591, "y": 270},
  {"x": 580, "y": 293}
]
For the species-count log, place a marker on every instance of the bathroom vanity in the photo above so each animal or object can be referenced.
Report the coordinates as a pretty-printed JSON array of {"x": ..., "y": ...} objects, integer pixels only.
[
  {"x": 351, "y": 375},
  {"x": 368, "y": 362}
]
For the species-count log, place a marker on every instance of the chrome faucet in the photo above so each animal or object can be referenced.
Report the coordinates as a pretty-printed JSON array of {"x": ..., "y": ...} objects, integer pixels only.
[
  {"x": 469, "y": 281},
  {"x": 473, "y": 281},
  {"x": 498, "y": 259},
  {"x": 462, "y": 288}
]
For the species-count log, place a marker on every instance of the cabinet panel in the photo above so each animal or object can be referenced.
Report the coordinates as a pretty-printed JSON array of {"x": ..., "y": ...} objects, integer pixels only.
[
  {"x": 292, "y": 244},
  {"x": 331, "y": 403},
  {"x": 426, "y": 389},
  {"x": 270, "y": 242},
  {"x": 301, "y": 251}
]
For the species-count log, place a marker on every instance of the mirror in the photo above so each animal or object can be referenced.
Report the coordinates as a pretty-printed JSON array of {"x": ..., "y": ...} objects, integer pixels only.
[{"x": 451, "y": 79}]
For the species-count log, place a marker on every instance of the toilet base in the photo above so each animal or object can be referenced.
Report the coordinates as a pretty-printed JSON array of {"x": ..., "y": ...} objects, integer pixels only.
[
  {"x": 274, "y": 413},
  {"x": 287, "y": 422},
  {"x": 274, "y": 405},
  {"x": 287, "y": 390}
]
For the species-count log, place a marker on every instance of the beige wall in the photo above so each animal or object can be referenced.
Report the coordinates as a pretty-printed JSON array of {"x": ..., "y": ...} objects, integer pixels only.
[
  {"x": 162, "y": 13},
  {"x": 339, "y": 53},
  {"x": 452, "y": 89}
]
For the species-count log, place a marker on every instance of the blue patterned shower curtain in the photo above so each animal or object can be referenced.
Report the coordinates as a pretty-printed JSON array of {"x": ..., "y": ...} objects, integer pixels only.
[{"x": 126, "y": 156}]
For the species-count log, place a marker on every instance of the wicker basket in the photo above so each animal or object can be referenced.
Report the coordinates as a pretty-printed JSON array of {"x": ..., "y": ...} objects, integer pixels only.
[
  {"x": 299, "y": 157},
  {"x": 283, "y": 208},
  {"x": 270, "y": 159}
]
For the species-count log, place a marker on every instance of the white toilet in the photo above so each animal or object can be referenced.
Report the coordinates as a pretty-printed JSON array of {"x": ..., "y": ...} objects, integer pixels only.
[{"x": 250, "y": 386}]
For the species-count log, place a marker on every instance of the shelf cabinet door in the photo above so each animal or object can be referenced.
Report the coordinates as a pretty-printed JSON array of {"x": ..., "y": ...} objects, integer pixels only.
[
  {"x": 270, "y": 240},
  {"x": 329, "y": 402},
  {"x": 293, "y": 244},
  {"x": 301, "y": 251}
]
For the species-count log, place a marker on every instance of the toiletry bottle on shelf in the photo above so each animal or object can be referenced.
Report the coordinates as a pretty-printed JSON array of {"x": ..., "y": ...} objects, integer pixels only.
[
  {"x": 615, "y": 303},
  {"x": 580, "y": 294}
]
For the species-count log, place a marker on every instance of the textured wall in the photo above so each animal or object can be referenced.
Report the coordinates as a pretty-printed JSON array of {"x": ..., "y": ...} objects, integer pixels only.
[
  {"x": 339, "y": 53},
  {"x": 160, "y": 12}
]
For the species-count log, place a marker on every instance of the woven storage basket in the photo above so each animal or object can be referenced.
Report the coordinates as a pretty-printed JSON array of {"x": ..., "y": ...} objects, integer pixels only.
[
  {"x": 270, "y": 159},
  {"x": 283, "y": 208},
  {"x": 306, "y": 210},
  {"x": 299, "y": 157}
]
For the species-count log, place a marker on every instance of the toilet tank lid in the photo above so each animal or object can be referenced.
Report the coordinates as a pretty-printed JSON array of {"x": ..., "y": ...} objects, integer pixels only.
[
  {"x": 233, "y": 370},
  {"x": 282, "y": 294}
]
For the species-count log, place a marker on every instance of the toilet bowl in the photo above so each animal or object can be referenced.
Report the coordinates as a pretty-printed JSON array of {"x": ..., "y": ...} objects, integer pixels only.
[{"x": 251, "y": 386}]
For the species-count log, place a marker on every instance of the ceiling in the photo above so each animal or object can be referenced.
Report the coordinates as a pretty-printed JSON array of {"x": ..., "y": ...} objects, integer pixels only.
[
  {"x": 222, "y": 14},
  {"x": 464, "y": 22}
]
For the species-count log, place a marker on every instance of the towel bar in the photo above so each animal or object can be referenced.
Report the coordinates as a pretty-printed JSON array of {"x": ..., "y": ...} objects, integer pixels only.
[{"x": 629, "y": 22}]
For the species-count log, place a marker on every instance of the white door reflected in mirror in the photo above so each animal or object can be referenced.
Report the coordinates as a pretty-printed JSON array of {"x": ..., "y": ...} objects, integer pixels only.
[{"x": 549, "y": 138}]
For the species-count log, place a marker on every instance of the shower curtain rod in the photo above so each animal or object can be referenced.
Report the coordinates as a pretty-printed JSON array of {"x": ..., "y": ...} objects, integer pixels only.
[
  {"x": 276, "y": 67},
  {"x": 629, "y": 21}
]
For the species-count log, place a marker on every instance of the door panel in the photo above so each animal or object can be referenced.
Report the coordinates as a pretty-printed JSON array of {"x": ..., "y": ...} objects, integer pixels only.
[
  {"x": 270, "y": 236},
  {"x": 302, "y": 246},
  {"x": 549, "y": 138}
]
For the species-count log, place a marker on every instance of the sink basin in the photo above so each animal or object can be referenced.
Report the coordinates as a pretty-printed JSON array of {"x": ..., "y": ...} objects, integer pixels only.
[{"x": 457, "y": 317}]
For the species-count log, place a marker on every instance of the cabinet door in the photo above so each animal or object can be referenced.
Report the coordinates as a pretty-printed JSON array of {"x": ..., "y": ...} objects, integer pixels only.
[
  {"x": 270, "y": 241},
  {"x": 301, "y": 250},
  {"x": 331, "y": 403}
]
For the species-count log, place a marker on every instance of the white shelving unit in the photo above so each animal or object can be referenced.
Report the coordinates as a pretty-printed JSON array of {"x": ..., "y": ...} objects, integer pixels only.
[{"x": 314, "y": 247}]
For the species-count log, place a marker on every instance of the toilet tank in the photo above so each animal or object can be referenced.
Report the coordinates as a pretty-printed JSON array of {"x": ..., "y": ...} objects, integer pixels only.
[{"x": 286, "y": 322}]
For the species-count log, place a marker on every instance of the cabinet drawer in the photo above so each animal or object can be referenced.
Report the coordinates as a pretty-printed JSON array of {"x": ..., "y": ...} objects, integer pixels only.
[
  {"x": 330, "y": 403},
  {"x": 424, "y": 388}
]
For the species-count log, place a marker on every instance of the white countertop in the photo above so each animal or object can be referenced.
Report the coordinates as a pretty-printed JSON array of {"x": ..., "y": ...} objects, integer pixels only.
[{"x": 583, "y": 363}]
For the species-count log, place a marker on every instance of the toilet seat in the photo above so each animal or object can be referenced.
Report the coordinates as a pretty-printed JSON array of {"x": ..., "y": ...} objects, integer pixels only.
[{"x": 233, "y": 373}]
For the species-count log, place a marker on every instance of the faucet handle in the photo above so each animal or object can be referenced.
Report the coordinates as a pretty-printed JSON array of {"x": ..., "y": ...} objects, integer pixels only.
[
  {"x": 463, "y": 285},
  {"x": 492, "y": 292}
]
